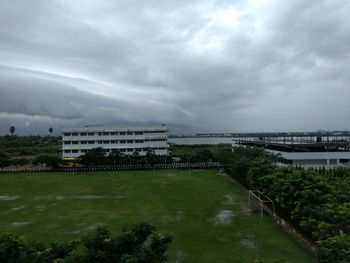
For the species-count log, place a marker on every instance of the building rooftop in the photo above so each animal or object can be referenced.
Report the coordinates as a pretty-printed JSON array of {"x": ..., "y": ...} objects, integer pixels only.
[
  {"x": 298, "y": 142},
  {"x": 107, "y": 128}
]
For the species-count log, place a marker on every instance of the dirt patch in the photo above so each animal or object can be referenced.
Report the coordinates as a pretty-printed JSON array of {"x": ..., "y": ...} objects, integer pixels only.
[
  {"x": 223, "y": 217},
  {"x": 8, "y": 197}
]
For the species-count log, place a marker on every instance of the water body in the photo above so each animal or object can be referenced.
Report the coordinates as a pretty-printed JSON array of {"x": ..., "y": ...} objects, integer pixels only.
[{"x": 200, "y": 140}]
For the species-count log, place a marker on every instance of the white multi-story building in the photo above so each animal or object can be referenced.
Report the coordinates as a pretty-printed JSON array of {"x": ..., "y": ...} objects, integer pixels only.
[{"x": 125, "y": 139}]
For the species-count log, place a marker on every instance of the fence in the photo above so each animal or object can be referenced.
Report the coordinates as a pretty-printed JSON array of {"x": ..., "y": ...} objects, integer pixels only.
[{"x": 117, "y": 167}]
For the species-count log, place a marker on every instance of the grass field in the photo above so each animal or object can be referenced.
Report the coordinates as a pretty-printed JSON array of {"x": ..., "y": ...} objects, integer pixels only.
[{"x": 206, "y": 213}]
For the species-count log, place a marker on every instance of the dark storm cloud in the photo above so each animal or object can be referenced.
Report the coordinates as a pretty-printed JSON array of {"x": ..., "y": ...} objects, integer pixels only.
[{"x": 196, "y": 65}]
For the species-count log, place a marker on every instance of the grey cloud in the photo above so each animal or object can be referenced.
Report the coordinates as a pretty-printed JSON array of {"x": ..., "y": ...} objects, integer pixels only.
[{"x": 81, "y": 62}]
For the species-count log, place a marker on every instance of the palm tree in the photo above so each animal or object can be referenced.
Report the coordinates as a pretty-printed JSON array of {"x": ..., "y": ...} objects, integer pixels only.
[
  {"x": 50, "y": 130},
  {"x": 12, "y": 129}
]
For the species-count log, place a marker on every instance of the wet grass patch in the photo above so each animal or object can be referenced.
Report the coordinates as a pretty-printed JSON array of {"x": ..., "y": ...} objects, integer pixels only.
[{"x": 207, "y": 214}]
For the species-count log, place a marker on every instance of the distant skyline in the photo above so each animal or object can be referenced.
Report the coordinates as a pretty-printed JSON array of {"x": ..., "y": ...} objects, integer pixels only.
[{"x": 196, "y": 66}]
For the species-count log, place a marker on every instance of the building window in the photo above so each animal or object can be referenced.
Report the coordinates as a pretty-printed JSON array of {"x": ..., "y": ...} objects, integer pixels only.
[
  {"x": 138, "y": 141},
  {"x": 100, "y": 133},
  {"x": 74, "y": 151},
  {"x": 67, "y": 151},
  {"x": 105, "y": 142},
  {"x": 83, "y": 142},
  {"x": 67, "y": 142},
  {"x": 129, "y": 133},
  {"x": 66, "y": 134},
  {"x": 91, "y": 133},
  {"x": 114, "y": 133},
  {"x": 106, "y": 133},
  {"x": 74, "y": 134},
  {"x": 114, "y": 142},
  {"x": 83, "y": 134},
  {"x": 99, "y": 142},
  {"x": 91, "y": 142},
  {"x": 138, "y": 133},
  {"x": 130, "y": 141},
  {"x": 122, "y": 150},
  {"x": 122, "y": 141},
  {"x": 74, "y": 142},
  {"x": 130, "y": 150},
  {"x": 122, "y": 133},
  {"x": 84, "y": 151}
]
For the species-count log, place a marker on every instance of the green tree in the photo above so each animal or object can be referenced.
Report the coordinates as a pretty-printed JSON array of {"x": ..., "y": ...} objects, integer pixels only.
[
  {"x": 204, "y": 155},
  {"x": 4, "y": 160},
  {"x": 96, "y": 156},
  {"x": 335, "y": 249},
  {"x": 138, "y": 243},
  {"x": 12, "y": 130},
  {"x": 52, "y": 161}
]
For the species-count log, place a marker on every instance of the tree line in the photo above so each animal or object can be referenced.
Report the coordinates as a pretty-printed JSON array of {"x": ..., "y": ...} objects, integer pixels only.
[
  {"x": 99, "y": 157},
  {"x": 12, "y": 130},
  {"x": 139, "y": 243},
  {"x": 314, "y": 200}
]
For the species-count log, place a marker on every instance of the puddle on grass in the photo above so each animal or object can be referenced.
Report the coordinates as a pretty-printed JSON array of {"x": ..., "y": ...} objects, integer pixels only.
[
  {"x": 223, "y": 217},
  {"x": 41, "y": 208},
  {"x": 176, "y": 217},
  {"x": 93, "y": 226},
  {"x": 179, "y": 256},
  {"x": 197, "y": 170},
  {"x": 229, "y": 199},
  {"x": 171, "y": 175},
  {"x": 78, "y": 197},
  {"x": 84, "y": 228},
  {"x": 18, "y": 208},
  {"x": 8, "y": 197},
  {"x": 247, "y": 241},
  {"x": 19, "y": 224}
]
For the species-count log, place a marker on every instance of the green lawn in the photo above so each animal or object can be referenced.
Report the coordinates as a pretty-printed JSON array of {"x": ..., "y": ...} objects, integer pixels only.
[{"x": 206, "y": 213}]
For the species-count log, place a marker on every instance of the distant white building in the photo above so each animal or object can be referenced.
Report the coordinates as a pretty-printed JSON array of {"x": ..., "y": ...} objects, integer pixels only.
[
  {"x": 125, "y": 139},
  {"x": 305, "y": 150}
]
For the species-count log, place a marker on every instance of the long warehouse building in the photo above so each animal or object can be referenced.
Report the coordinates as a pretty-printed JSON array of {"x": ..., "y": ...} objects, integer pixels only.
[
  {"x": 125, "y": 139},
  {"x": 305, "y": 150}
]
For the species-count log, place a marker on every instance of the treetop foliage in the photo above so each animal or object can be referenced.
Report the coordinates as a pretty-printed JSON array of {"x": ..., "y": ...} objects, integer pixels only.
[
  {"x": 317, "y": 201},
  {"x": 138, "y": 244}
]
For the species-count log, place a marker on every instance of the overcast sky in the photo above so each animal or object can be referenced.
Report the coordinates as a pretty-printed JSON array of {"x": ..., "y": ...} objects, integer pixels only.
[{"x": 197, "y": 66}]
